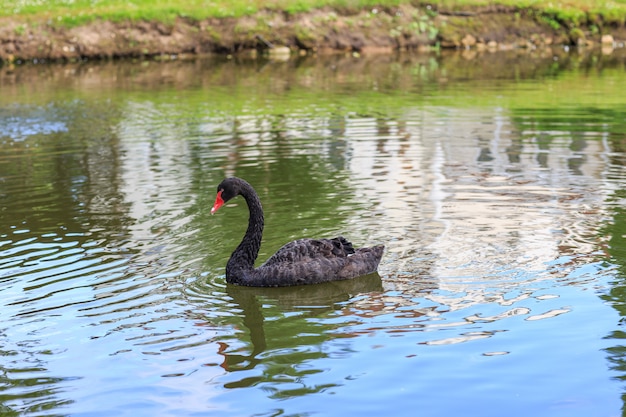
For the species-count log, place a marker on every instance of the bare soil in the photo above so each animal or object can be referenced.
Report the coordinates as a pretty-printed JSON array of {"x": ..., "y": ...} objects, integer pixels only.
[{"x": 320, "y": 31}]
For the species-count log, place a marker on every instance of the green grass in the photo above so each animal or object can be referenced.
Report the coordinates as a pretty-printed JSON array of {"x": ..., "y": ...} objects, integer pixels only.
[{"x": 76, "y": 12}]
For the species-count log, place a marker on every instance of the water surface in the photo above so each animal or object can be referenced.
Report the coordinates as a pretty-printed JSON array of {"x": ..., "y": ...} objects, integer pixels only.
[{"x": 496, "y": 184}]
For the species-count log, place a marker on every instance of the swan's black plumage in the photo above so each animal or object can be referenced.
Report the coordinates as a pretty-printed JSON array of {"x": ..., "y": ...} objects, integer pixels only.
[{"x": 303, "y": 261}]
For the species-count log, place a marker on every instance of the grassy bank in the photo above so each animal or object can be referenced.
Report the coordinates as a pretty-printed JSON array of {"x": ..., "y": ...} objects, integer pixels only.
[
  {"x": 78, "y": 29},
  {"x": 77, "y": 12}
]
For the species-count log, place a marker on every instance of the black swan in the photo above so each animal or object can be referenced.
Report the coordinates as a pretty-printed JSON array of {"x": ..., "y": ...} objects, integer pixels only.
[{"x": 303, "y": 261}]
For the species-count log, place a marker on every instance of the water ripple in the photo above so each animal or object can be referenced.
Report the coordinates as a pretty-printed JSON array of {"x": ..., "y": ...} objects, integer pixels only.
[{"x": 501, "y": 221}]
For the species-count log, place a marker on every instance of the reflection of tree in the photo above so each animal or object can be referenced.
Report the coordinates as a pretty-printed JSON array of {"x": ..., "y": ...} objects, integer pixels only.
[
  {"x": 44, "y": 397},
  {"x": 288, "y": 323},
  {"x": 615, "y": 231},
  {"x": 68, "y": 179}
]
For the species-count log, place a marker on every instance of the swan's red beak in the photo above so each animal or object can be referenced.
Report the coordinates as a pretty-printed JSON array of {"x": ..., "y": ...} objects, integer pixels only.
[{"x": 218, "y": 202}]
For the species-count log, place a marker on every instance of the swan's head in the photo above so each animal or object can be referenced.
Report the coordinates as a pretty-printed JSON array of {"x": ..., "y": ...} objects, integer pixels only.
[{"x": 229, "y": 188}]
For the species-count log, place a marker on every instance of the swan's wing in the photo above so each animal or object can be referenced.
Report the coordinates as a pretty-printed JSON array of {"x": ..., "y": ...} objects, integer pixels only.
[
  {"x": 277, "y": 272},
  {"x": 305, "y": 250}
]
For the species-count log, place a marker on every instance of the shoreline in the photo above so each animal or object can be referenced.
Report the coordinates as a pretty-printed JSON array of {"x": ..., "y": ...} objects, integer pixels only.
[{"x": 321, "y": 31}]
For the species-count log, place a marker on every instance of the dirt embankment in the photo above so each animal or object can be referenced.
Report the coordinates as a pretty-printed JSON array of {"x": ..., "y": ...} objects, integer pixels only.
[{"x": 365, "y": 31}]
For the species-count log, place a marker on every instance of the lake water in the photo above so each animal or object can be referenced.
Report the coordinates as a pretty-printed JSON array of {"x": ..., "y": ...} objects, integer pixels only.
[{"x": 497, "y": 184}]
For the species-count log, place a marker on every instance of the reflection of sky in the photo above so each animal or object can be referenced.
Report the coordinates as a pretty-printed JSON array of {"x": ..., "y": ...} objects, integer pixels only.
[
  {"x": 465, "y": 187},
  {"x": 155, "y": 173},
  {"x": 20, "y": 128}
]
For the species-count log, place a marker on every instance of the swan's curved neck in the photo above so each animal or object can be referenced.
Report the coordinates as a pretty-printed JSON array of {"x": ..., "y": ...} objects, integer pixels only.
[{"x": 246, "y": 253}]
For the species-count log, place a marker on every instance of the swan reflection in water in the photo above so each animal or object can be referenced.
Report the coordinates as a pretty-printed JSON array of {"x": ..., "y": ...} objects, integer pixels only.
[{"x": 287, "y": 327}]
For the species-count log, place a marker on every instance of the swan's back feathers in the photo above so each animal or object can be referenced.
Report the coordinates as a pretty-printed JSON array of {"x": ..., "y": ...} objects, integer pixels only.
[{"x": 305, "y": 250}]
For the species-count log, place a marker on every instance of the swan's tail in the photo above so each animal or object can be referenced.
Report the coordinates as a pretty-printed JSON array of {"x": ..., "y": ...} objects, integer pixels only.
[
  {"x": 364, "y": 261},
  {"x": 373, "y": 254}
]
